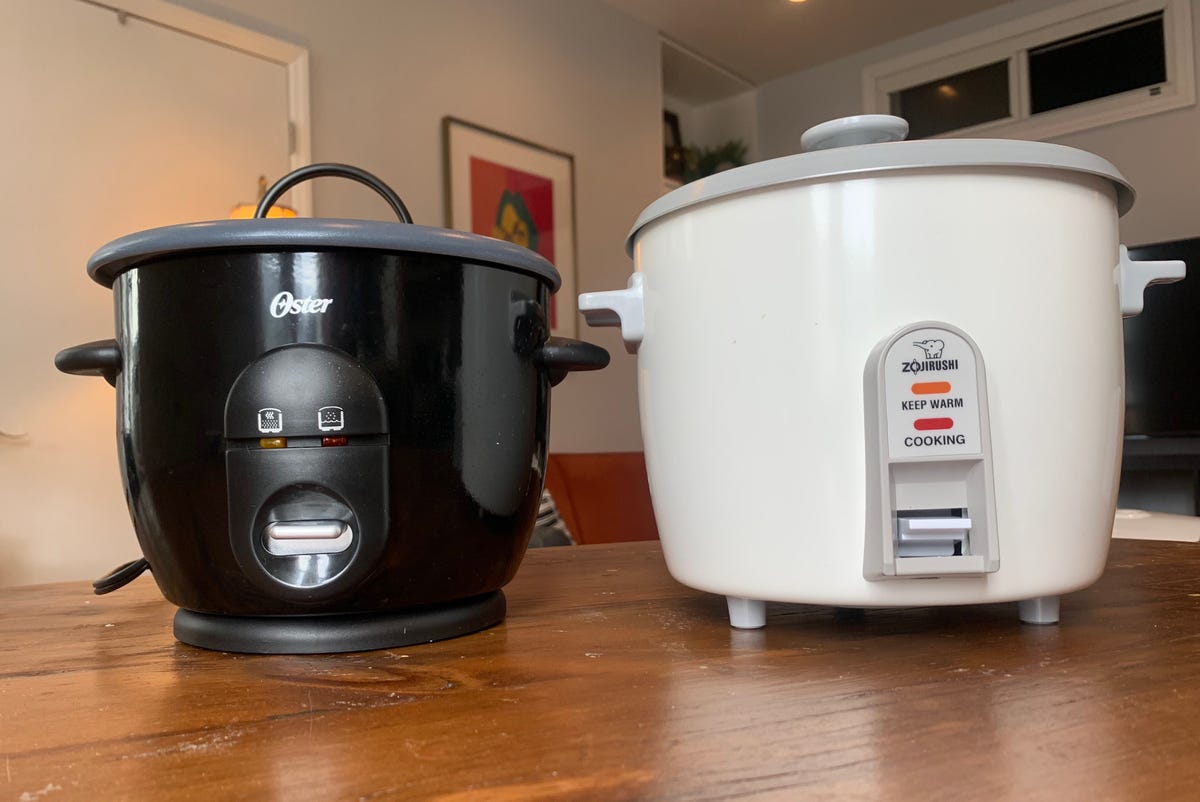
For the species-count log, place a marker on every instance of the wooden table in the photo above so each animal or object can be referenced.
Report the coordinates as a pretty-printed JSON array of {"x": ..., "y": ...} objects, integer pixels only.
[{"x": 611, "y": 681}]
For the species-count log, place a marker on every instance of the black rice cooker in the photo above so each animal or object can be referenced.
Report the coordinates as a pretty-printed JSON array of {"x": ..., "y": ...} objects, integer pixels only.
[{"x": 332, "y": 433}]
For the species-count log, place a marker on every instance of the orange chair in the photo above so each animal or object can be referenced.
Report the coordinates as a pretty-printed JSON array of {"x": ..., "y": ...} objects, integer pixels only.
[{"x": 602, "y": 498}]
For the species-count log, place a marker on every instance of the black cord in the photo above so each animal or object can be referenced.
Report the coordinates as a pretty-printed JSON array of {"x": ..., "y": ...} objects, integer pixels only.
[{"x": 120, "y": 577}]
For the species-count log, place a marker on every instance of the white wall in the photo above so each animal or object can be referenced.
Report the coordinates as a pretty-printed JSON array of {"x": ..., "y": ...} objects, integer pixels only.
[
  {"x": 97, "y": 145},
  {"x": 1159, "y": 154},
  {"x": 575, "y": 76}
]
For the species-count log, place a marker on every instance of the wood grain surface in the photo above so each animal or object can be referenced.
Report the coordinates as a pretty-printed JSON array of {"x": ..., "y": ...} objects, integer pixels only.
[{"x": 610, "y": 681}]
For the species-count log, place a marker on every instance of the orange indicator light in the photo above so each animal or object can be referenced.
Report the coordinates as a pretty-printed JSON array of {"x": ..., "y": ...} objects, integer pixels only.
[
  {"x": 333, "y": 440},
  {"x": 930, "y": 388},
  {"x": 273, "y": 442}
]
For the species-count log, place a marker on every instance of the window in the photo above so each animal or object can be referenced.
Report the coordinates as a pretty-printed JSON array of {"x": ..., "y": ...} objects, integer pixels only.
[
  {"x": 956, "y": 101},
  {"x": 1095, "y": 64},
  {"x": 1077, "y": 66}
]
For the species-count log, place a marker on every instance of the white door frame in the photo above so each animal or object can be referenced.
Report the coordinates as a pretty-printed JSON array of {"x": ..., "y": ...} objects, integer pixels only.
[{"x": 291, "y": 56}]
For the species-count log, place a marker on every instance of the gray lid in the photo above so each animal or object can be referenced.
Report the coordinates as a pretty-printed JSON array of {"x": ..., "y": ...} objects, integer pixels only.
[
  {"x": 306, "y": 233},
  {"x": 880, "y": 154}
]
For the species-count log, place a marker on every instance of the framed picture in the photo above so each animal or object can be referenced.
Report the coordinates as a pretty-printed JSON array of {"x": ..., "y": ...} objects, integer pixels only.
[
  {"x": 510, "y": 189},
  {"x": 671, "y": 137},
  {"x": 673, "y": 161}
]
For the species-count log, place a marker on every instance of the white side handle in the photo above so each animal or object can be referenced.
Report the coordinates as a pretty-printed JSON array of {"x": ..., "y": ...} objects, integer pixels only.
[
  {"x": 1134, "y": 277},
  {"x": 618, "y": 308}
]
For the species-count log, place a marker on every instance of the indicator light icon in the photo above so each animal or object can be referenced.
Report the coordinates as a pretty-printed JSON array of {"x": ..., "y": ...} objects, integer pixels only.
[
  {"x": 331, "y": 419},
  {"x": 270, "y": 420},
  {"x": 931, "y": 388},
  {"x": 933, "y": 424}
]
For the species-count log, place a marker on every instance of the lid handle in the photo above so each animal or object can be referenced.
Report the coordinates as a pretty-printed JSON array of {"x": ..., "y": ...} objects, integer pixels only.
[
  {"x": 865, "y": 129},
  {"x": 330, "y": 169}
]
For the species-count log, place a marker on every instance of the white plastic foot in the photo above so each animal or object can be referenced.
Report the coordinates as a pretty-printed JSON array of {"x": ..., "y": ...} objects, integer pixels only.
[
  {"x": 746, "y": 613},
  {"x": 1042, "y": 610}
]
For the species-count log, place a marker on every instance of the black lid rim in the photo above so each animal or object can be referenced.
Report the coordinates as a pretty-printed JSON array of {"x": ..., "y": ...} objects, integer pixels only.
[{"x": 317, "y": 234}]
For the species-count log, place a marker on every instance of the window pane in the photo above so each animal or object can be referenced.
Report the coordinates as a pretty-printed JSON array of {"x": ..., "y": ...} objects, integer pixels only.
[
  {"x": 956, "y": 101},
  {"x": 1099, "y": 63}
]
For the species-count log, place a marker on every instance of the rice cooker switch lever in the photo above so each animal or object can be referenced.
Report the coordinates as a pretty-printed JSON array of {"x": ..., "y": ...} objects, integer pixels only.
[
  {"x": 932, "y": 537},
  {"x": 307, "y": 537},
  {"x": 934, "y": 528}
]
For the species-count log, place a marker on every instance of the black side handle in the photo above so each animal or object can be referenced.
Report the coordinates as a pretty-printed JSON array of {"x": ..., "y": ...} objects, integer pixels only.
[
  {"x": 332, "y": 169},
  {"x": 560, "y": 355},
  {"x": 99, "y": 358}
]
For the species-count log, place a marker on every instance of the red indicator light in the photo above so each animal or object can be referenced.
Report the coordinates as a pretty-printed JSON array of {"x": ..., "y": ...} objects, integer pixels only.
[
  {"x": 333, "y": 441},
  {"x": 926, "y": 424}
]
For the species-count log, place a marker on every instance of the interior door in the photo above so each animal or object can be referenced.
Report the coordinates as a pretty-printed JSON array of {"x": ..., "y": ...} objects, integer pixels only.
[{"x": 112, "y": 125}]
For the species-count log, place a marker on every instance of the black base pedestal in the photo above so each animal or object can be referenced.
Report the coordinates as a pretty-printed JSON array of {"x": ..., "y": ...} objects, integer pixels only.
[{"x": 357, "y": 632}]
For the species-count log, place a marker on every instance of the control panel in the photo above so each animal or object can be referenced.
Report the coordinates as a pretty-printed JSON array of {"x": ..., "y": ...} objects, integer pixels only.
[
  {"x": 930, "y": 498},
  {"x": 306, "y": 457}
]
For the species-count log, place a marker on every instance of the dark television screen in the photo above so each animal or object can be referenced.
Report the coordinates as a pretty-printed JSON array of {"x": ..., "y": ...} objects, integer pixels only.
[{"x": 1162, "y": 350}]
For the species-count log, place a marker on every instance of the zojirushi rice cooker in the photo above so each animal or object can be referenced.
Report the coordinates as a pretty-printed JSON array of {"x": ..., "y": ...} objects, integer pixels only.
[
  {"x": 332, "y": 433},
  {"x": 885, "y": 373}
]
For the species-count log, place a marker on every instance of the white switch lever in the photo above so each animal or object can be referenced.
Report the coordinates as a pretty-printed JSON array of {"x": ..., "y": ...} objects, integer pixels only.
[
  {"x": 293, "y": 538},
  {"x": 934, "y": 528}
]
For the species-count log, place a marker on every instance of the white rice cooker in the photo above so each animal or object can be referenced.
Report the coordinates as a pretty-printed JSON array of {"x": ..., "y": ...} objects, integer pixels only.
[{"x": 885, "y": 373}]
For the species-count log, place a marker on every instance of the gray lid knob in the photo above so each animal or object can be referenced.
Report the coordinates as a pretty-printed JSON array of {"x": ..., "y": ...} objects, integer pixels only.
[{"x": 865, "y": 129}]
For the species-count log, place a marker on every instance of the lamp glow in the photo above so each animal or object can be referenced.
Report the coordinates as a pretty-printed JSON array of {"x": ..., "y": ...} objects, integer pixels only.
[{"x": 245, "y": 211}]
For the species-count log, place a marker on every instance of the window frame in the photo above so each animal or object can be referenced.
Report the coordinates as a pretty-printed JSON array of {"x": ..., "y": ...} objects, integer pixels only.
[{"x": 1013, "y": 40}]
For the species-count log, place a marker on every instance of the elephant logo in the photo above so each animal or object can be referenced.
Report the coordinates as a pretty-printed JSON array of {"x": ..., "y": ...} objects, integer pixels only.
[{"x": 932, "y": 348}]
